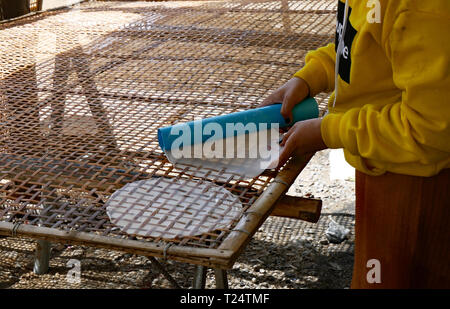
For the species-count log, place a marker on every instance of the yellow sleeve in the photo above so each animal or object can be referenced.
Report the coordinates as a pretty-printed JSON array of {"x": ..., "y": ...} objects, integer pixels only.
[
  {"x": 318, "y": 71},
  {"x": 417, "y": 128}
]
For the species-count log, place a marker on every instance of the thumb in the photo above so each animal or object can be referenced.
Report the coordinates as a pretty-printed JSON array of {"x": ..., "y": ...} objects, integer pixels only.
[
  {"x": 286, "y": 109},
  {"x": 275, "y": 97}
]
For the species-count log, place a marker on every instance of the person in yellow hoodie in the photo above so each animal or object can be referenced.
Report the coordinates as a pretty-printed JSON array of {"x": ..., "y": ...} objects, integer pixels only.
[{"x": 390, "y": 112}]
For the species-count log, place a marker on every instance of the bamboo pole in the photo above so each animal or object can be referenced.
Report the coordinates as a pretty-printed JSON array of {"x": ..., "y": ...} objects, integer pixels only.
[
  {"x": 261, "y": 209},
  {"x": 200, "y": 256},
  {"x": 42, "y": 257},
  {"x": 301, "y": 208}
]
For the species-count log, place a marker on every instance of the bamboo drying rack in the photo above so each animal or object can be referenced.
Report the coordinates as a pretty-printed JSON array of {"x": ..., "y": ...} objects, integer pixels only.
[{"x": 84, "y": 89}]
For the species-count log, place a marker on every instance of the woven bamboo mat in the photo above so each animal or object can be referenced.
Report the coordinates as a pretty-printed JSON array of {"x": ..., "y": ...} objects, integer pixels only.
[{"x": 83, "y": 91}]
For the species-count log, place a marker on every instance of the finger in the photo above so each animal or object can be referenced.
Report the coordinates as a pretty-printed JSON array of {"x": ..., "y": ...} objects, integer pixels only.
[
  {"x": 287, "y": 151},
  {"x": 287, "y": 107},
  {"x": 275, "y": 97},
  {"x": 283, "y": 130},
  {"x": 267, "y": 101},
  {"x": 284, "y": 156},
  {"x": 287, "y": 135}
]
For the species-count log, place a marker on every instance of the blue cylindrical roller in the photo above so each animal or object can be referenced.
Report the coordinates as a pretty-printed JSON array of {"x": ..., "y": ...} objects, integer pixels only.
[{"x": 307, "y": 109}]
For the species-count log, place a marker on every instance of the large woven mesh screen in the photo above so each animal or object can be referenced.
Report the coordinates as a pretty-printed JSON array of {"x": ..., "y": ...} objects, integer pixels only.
[{"x": 83, "y": 91}]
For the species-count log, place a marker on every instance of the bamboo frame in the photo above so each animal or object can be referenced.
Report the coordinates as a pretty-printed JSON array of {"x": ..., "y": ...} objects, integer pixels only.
[
  {"x": 223, "y": 257},
  {"x": 38, "y": 177}
]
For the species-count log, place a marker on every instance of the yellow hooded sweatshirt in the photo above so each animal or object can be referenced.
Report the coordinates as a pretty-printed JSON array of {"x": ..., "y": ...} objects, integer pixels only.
[{"x": 392, "y": 108}]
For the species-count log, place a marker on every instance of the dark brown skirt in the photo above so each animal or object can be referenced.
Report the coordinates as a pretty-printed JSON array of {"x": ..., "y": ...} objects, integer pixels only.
[{"x": 404, "y": 223}]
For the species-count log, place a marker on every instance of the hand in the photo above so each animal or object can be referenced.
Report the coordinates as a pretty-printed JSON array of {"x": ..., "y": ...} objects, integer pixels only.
[
  {"x": 290, "y": 94},
  {"x": 303, "y": 137}
]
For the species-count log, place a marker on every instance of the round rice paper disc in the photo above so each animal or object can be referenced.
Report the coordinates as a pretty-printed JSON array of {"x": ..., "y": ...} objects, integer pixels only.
[{"x": 172, "y": 208}]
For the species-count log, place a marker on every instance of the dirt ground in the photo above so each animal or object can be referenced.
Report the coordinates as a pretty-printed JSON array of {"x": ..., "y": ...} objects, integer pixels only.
[{"x": 284, "y": 253}]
